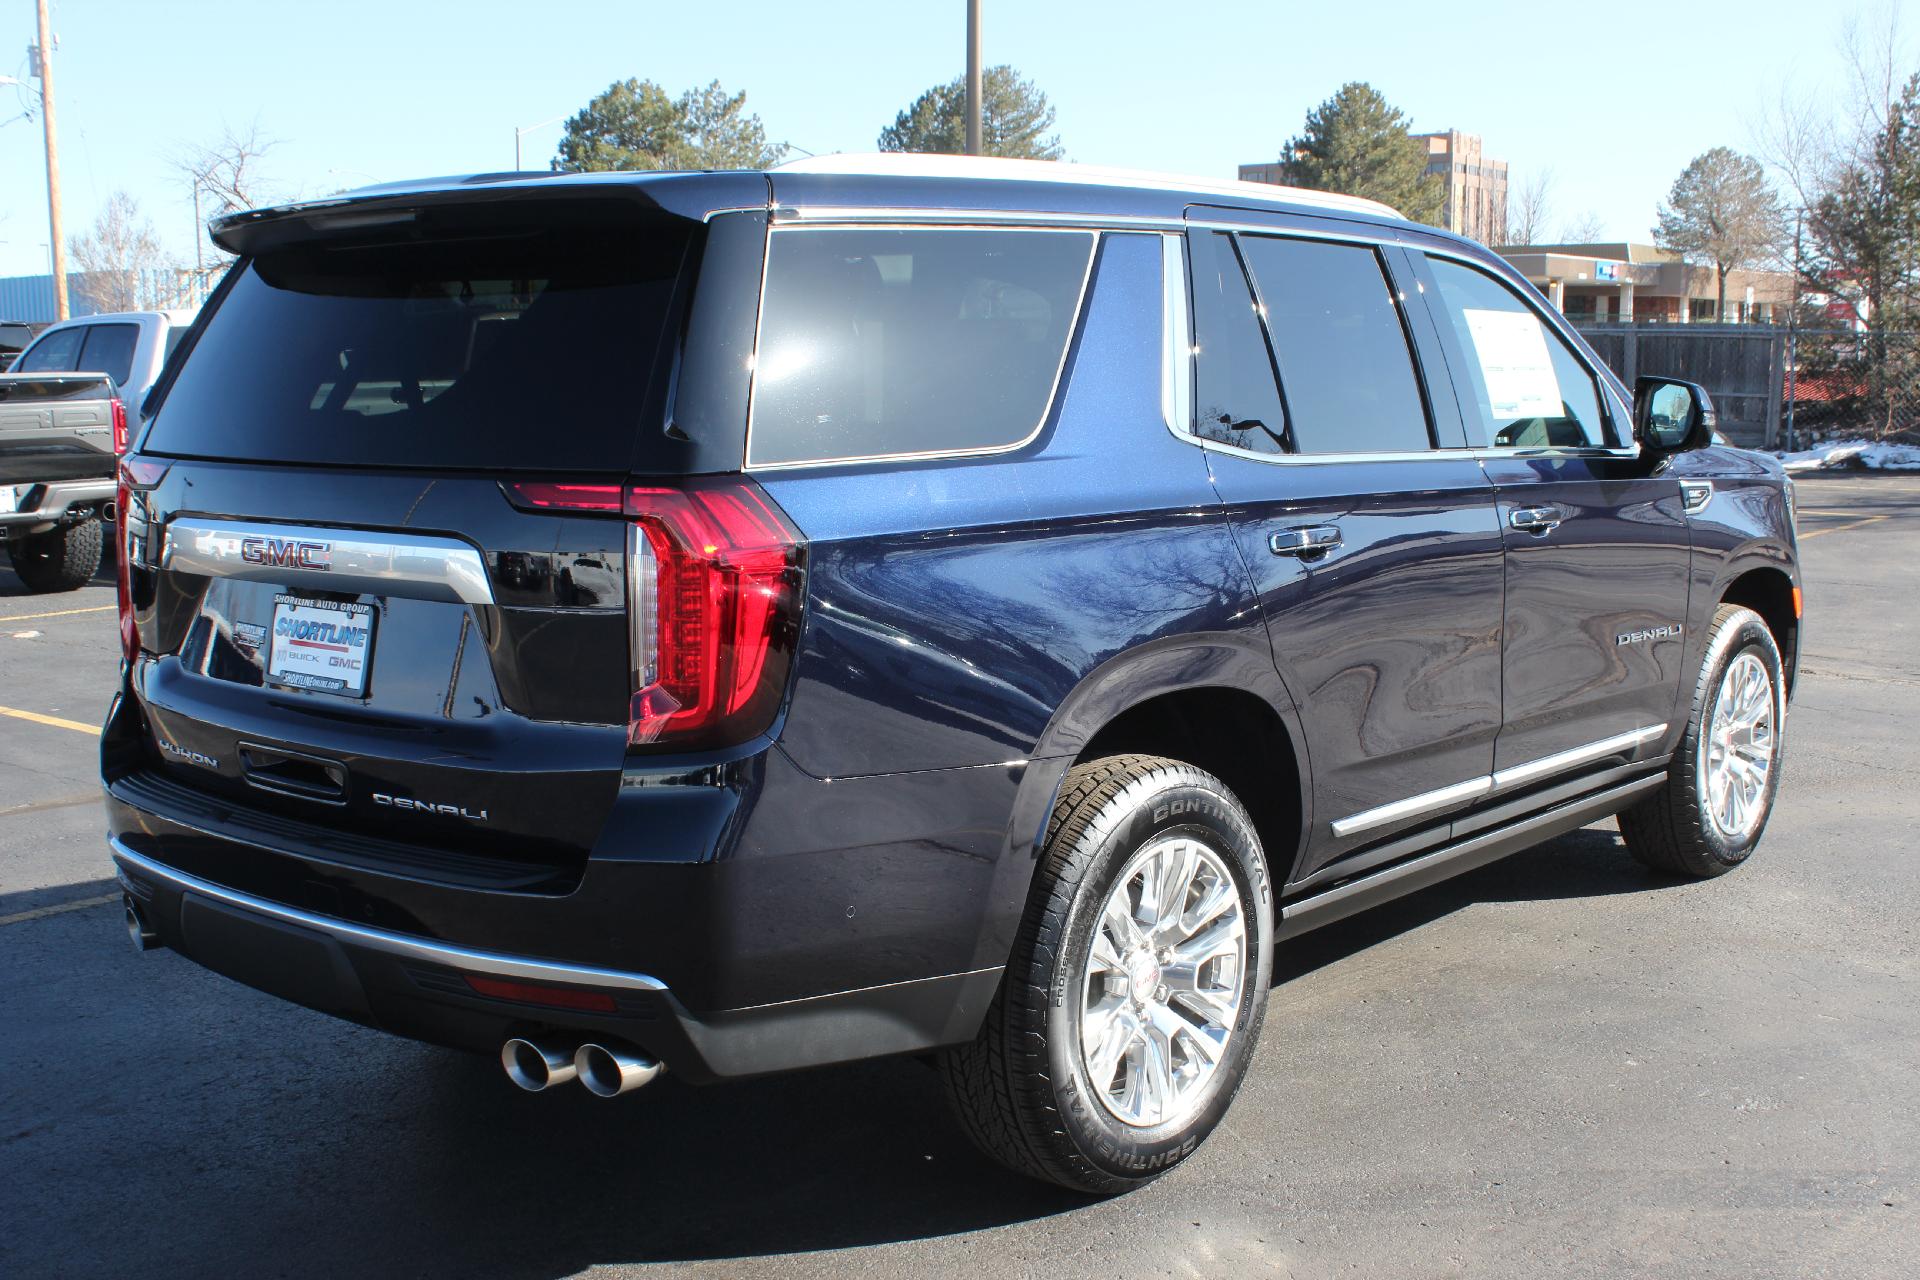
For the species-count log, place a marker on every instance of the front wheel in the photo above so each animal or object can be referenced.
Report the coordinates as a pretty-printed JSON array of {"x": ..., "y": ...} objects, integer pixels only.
[
  {"x": 1137, "y": 986},
  {"x": 1720, "y": 787}
]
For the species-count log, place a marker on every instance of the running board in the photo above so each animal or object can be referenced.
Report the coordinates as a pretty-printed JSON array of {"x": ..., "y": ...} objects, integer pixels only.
[{"x": 1401, "y": 878}]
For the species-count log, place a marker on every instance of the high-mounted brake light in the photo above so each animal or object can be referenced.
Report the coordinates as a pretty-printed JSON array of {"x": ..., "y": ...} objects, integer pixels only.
[{"x": 713, "y": 602}]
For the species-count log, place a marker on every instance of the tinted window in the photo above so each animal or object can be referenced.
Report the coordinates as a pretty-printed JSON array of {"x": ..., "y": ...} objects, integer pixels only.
[
  {"x": 876, "y": 342},
  {"x": 1531, "y": 391},
  {"x": 54, "y": 353},
  {"x": 471, "y": 340},
  {"x": 1342, "y": 350},
  {"x": 109, "y": 350},
  {"x": 1234, "y": 396}
]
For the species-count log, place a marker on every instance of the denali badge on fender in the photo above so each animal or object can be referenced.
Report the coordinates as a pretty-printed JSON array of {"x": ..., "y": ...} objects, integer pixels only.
[
  {"x": 423, "y": 806},
  {"x": 1667, "y": 632}
]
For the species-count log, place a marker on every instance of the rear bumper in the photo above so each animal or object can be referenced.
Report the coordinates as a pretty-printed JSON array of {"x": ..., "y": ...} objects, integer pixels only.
[
  {"x": 45, "y": 505},
  {"x": 416, "y": 986}
]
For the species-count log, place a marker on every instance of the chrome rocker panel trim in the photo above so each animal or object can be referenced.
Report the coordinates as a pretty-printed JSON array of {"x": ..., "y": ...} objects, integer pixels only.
[
  {"x": 416, "y": 566},
  {"x": 403, "y": 945},
  {"x": 1500, "y": 780}
]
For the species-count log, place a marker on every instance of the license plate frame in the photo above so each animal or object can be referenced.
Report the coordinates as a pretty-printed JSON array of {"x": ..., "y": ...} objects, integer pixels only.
[{"x": 322, "y": 646}]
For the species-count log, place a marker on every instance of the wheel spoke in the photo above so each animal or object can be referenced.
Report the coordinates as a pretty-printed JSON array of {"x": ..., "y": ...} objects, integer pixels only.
[
  {"x": 1213, "y": 902},
  {"x": 1121, "y": 1033},
  {"x": 1156, "y": 1060},
  {"x": 1207, "y": 1004}
]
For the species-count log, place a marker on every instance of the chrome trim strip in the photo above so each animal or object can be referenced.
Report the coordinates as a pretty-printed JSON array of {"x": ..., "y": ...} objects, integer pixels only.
[
  {"x": 1053, "y": 395},
  {"x": 1560, "y": 761},
  {"x": 415, "y": 566},
  {"x": 815, "y": 215},
  {"x": 1176, "y": 337},
  {"x": 396, "y": 944},
  {"x": 1426, "y": 801},
  {"x": 1488, "y": 784}
]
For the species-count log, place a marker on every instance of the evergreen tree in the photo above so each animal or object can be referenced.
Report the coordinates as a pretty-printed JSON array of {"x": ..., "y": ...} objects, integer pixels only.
[
  {"x": 1015, "y": 118},
  {"x": 1358, "y": 144}
]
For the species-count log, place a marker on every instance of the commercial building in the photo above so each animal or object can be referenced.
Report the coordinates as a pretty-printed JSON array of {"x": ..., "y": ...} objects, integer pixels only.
[
  {"x": 1622, "y": 282},
  {"x": 1476, "y": 187}
]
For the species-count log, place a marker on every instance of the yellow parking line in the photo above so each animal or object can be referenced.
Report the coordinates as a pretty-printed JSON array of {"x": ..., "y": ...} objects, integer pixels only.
[
  {"x": 38, "y": 913},
  {"x": 55, "y": 721},
  {"x": 1836, "y": 528},
  {"x": 57, "y": 613}
]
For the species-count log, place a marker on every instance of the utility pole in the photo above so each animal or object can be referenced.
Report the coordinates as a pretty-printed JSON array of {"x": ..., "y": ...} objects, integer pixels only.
[
  {"x": 45, "y": 59},
  {"x": 973, "y": 77},
  {"x": 1793, "y": 329}
]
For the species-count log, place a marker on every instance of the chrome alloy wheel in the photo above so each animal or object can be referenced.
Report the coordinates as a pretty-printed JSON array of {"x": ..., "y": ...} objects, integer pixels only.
[
  {"x": 1737, "y": 751},
  {"x": 1163, "y": 981}
]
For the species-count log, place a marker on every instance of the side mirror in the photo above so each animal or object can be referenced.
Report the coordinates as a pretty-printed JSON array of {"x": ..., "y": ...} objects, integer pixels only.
[{"x": 1671, "y": 416}]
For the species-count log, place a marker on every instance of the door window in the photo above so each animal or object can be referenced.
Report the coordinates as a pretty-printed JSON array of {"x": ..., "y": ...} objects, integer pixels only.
[
  {"x": 1345, "y": 367},
  {"x": 109, "y": 350},
  {"x": 1529, "y": 389},
  {"x": 54, "y": 353},
  {"x": 1236, "y": 400}
]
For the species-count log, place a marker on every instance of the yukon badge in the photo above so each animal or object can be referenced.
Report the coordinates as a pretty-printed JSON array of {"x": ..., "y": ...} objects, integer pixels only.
[
  {"x": 1669, "y": 632},
  {"x": 427, "y": 806},
  {"x": 179, "y": 752}
]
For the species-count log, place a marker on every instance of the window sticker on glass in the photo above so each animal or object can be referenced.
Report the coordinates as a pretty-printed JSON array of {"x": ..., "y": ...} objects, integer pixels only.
[{"x": 1513, "y": 357}]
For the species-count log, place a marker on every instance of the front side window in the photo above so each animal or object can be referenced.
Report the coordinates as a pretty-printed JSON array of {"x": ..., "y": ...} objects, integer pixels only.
[
  {"x": 1530, "y": 390},
  {"x": 879, "y": 342},
  {"x": 56, "y": 352},
  {"x": 1345, "y": 365}
]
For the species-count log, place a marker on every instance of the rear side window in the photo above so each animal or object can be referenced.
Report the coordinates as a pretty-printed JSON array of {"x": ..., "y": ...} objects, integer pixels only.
[
  {"x": 471, "y": 338},
  {"x": 1235, "y": 399},
  {"x": 878, "y": 342},
  {"x": 56, "y": 352},
  {"x": 1529, "y": 388},
  {"x": 109, "y": 350},
  {"x": 1345, "y": 365}
]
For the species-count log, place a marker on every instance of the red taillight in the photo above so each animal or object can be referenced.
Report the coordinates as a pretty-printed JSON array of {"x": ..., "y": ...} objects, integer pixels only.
[
  {"x": 713, "y": 603},
  {"x": 535, "y": 993},
  {"x": 119, "y": 428},
  {"x": 713, "y": 606},
  {"x": 133, "y": 474}
]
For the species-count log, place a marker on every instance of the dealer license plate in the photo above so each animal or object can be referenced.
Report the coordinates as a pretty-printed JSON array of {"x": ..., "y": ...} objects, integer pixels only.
[{"x": 321, "y": 644}]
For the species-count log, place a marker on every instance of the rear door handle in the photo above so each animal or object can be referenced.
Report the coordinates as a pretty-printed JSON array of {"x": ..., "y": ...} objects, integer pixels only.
[
  {"x": 1534, "y": 519},
  {"x": 1311, "y": 541}
]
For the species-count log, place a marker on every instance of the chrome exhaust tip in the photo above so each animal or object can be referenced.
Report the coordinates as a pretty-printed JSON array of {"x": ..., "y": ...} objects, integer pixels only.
[
  {"x": 139, "y": 932},
  {"x": 535, "y": 1066},
  {"x": 611, "y": 1070}
]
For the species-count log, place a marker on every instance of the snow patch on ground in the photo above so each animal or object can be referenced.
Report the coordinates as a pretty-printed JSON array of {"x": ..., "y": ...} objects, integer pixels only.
[{"x": 1854, "y": 455}]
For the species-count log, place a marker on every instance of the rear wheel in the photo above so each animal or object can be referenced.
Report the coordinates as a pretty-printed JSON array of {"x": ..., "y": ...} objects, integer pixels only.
[
  {"x": 1137, "y": 987},
  {"x": 62, "y": 559},
  {"x": 1709, "y": 816}
]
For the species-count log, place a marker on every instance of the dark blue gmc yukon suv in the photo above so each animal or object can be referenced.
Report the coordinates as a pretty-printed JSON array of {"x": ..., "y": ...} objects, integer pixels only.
[{"x": 726, "y": 623}]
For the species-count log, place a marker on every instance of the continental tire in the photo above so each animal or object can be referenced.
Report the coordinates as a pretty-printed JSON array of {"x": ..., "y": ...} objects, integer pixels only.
[
  {"x": 1709, "y": 816},
  {"x": 1137, "y": 985},
  {"x": 63, "y": 559}
]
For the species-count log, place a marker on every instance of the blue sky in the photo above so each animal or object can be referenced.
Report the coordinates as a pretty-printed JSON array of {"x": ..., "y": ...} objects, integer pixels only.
[{"x": 358, "y": 91}]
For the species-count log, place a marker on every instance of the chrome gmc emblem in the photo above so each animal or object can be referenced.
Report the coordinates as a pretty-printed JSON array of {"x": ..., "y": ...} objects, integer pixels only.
[{"x": 287, "y": 553}]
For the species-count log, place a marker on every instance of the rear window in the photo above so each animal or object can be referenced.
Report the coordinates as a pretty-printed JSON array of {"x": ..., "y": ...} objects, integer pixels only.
[
  {"x": 465, "y": 342},
  {"x": 877, "y": 342}
]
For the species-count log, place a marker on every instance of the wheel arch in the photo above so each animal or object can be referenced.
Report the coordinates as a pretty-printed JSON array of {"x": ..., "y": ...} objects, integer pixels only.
[{"x": 1769, "y": 591}]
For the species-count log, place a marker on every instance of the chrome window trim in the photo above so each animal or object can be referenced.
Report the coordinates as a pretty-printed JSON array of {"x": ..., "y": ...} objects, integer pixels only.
[
  {"x": 1495, "y": 782},
  {"x": 406, "y": 946},
  {"x": 1053, "y": 395},
  {"x": 1176, "y": 333},
  {"x": 411, "y": 565},
  {"x": 996, "y": 219}
]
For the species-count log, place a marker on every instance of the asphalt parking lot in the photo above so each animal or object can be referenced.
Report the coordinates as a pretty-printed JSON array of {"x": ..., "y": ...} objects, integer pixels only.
[{"x": 1559, "y": 1064}]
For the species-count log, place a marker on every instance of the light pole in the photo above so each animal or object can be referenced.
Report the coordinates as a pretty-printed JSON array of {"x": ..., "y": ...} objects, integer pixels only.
[
  {"x": 45, "y": 61},
  {"x": 973, "y": 77},
  {"x": 521, "y": 131}
]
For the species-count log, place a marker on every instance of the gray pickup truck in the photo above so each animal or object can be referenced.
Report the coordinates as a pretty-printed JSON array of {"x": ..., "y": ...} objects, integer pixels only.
[{"x": 60, "y": 434}]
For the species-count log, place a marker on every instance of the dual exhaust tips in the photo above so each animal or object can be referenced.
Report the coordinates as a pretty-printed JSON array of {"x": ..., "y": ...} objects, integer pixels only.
[{"x": 607, "y": 1070}]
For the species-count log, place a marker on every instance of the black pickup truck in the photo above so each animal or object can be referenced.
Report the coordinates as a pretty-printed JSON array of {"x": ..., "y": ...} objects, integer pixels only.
[{"x": 59, "y": 437}]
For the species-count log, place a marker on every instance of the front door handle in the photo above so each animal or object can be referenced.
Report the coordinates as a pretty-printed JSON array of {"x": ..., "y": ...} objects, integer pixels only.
[
  {"x": 1314, "y": 540},
  {"x": 1536, "y": 520}
]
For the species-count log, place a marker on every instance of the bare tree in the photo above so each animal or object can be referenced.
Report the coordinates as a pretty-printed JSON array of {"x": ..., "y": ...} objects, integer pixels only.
[
  {"x": 123, "y": 265},
  {"x": 226, "y": 175},
  {"x": 1585, "y": 229},
  {"x": 1722, "y": 211},
  {"x": 1528, "y": 206}
]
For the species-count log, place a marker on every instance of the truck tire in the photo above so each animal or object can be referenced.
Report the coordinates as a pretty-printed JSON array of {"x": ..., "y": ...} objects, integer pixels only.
[
  {"x": 63, "y": 559},
  {"x": 1708, "y": 817},
  {"x": 1137, "y": 984}
]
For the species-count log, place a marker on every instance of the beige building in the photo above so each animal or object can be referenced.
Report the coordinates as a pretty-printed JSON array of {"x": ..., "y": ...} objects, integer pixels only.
[
  {"x": 1476, "y": 203},
  {"x": 1476, "y": 187},
  {"x": 1620, "y": 282}
]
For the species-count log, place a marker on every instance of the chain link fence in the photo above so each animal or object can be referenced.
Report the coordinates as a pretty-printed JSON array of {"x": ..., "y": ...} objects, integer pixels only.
[{"x": 1844, "y": 385}]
